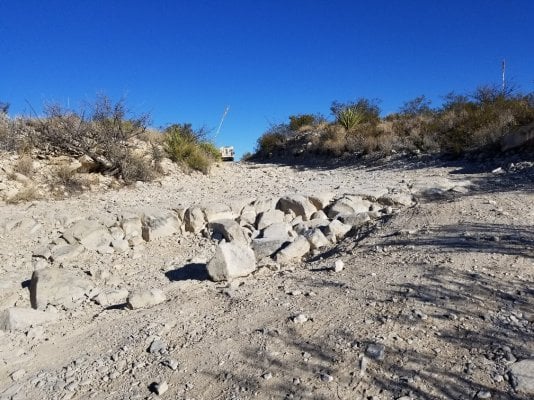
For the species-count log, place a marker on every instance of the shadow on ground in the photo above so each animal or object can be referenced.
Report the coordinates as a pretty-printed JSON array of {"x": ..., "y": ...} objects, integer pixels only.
[{"x": 193, "y": 271}]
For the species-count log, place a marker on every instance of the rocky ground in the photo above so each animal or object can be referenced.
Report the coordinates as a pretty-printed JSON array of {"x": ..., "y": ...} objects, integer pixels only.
[{"x": 430, "y": 296}]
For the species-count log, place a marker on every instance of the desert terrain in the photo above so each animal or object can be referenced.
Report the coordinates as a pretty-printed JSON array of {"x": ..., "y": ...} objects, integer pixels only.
[{"x": 430, "y": 296}]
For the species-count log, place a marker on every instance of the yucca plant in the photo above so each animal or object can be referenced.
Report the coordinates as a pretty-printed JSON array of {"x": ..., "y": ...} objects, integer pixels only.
[{"x": 349, "y": 118}]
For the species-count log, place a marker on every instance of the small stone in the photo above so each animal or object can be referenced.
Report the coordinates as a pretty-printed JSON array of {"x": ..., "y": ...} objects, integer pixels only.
[
  {"x": 300, "y": 319},
  {"x": 484, "y": 394},
  {"x": 338, "y": 266},
  {"x": 376, "y": 351},
  {"x": 171, "y": 363},
  {"x": 160, "y": 388},
  {"x": 296, "y": 381},
  {"x": 157, "y": 346},
  {"x": 267, "y": 376},
  {"x": 326, "y": 377},
  {"x": 145, "y": 298}
]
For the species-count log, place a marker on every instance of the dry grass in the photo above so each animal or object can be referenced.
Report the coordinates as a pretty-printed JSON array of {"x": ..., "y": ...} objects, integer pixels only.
[
  {"x": 26, "y": 194},
  {"x": 24, "y": 165}
]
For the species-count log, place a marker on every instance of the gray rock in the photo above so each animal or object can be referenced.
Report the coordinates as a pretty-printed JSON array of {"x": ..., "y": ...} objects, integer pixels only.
[
  {"x": 266, "y": 247},
  {"x": 120, "y": 245},
  {"x": 248, "y": 216},
  {"x": 522, "y": 374},
  {"x": 300, "y": 205},
  {"x": 231, "y": 260},
  {"x": 376, "y": 351},
  {"x": 321, "y": 200},
  {"x": 61, "y": 253},
  {"x": 230, "y": 230},
  {"x": 161, "y": 387},
  {"x": 269, "y": 217},
  {"x": 337, "y": 229},
  {"x": 214, "y": 212},
  {"x": 194, "y": 219},
  {"x": 18, "y": 319},
  {"x": 116, "y": 233},
  {"x": 355, "y": 219},
  {"x": 294, "y": 250},
  {"x": 91, "y": 234},
  {"x": 132, "y": 226},
  {"x": 58, "y": 287},
  {"x": 319, "y": 215},
  {"x": 338, "y": 266},
  {"x": 262, "y": 205},
  {"x": 348, "y": 205},
  {"x": 157, "y": 346},
  {"x": 279, "y": 231},
  {"x": 171, "y": 363},
  {"x": 111, "y": 297},
  {"x": 157, "y": 224},
  {"x": 316, "y": 238},
  {"x": 145, "y": 298}
]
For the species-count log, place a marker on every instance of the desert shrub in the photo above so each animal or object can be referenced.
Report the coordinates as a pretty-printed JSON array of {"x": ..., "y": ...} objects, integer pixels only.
[
  {"x": 297, "y": 122},
  {"x": 272, "y": 140},
  {"x": 367, "y": 109},
  {"x": 333, "y": 141},
  {"x": 136, "y": 168},
  {"x": 247, "y": 156},
  {"x": 24, "y": 165},
  {"x": 26, "y": 194},
  {"x": 102, "y": 130},
  {"x": 349, "y": 118},
  {"x": 189, "y": 148},
  {"x": 417, "y": 106}
]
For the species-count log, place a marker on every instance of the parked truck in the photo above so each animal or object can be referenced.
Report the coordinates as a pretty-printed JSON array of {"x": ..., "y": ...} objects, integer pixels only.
[{"x": 227, "y": 153}]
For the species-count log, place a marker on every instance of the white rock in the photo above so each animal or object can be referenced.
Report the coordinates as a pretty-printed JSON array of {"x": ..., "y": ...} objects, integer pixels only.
[
  {"x": 194, "y": 220},
  {"x": 294, "y": 250},
  {"x": 269, "y": 217},
  {"x": 214, "y": 212},
  {"x": 316, "y": 238},
  {"x": 230, "y": 230},
  {"x": 300, "y": 205},
  {"x": 132, "y": 226},
  {"x": 321, "y": 200},
  {"x": 523, "y": 376},
  {"x": 157, "y": 224},
  {"x": 17, "y": 319},
  {"x": 300, "y": 318},
  {"x": 337, "y": 229},
  {"x": 58, "y": 287},
  {"x": 111, "y": 297},
  {"x": 231, "y": 260},
  {"x": 65, "y": 252},
  {"x": 338, "y": 266},
  {"x": 145, "y": 298}
]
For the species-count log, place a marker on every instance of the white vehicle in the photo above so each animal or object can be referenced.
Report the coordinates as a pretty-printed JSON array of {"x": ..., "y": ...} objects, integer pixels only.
[{"x": 227, "y": 153}]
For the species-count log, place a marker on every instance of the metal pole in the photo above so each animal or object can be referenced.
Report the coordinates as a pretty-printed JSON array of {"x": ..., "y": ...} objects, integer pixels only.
[{"x": 503, "y": 76}]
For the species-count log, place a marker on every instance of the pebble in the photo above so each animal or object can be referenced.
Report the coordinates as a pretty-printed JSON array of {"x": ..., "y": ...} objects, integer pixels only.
[
  {"x": 484, "y": 394},
  {"x": 376, "y": 351},
  {"x": 326, "y": 377},
  {"x": 300, "y": 319},
  {"x": 267, "y": 376},
  {"x": 157, "y": 346},
  {"x": 161, "y": 388},
  {"x": 171, "y": 363},
  {"x": 338, "y": 266}
]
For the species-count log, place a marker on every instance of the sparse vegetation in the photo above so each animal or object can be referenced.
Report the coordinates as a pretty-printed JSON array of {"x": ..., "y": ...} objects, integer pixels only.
[
  {"x": 190, "y": 148},
  {"x": 462, "y": 124},
  {"x": 24, "y": 165},
  {"x": 26, "y": 194}
]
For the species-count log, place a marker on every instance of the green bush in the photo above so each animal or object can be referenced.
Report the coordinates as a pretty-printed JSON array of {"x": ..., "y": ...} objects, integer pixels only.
[
  {"x": 187, "y": 147},
  {"x": 272, "y": 140},
  {"x": 368, "y": 110},
  {"x": 349, "y": 118},
  {"x": 296, "y": 122}
]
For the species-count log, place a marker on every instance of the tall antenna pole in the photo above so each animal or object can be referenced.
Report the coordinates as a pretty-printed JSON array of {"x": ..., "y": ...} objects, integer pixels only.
[
  {"x": 503, "y": 76},
  {"x": 222, "y": 120}
]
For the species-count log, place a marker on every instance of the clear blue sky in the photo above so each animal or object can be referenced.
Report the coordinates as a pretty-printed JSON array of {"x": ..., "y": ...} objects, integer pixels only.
[{"x": 184, "y": 61}]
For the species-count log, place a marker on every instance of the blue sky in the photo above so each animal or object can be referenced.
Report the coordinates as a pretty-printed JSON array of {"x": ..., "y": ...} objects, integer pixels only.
[{"x": 267, "y": 59}]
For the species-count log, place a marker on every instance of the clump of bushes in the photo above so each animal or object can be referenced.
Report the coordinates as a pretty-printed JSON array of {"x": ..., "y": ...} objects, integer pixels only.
[
  {"x": 190, "y": 148},
  {"x": 462, "y": 124},
  {"x": 303, "y": 121}
]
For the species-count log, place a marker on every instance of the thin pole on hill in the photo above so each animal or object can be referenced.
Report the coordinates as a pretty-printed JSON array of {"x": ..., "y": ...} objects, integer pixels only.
[
  {"x": 222, "y": 120},
  {"x": 503, "y": 76}
]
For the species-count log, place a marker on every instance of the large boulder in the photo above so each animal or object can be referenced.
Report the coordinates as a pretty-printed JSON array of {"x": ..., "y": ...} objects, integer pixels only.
[
  {"x": 300, "y": 205},
  {"x": 18, "y": 319},
  {"x": 58, "y": 287},
  {"x": 231, "y": 260},
  {"x": 157, "y": 224},
  {"x": 294, "y": 250},
  {"x": 62, "y": 253},
  {"x": 194, "y": 219},
  {"x": 230, "y": 230}
]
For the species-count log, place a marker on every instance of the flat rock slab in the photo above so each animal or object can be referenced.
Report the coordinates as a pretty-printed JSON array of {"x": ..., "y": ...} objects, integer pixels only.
[
  {"x": 17, "y": 319},
  {"x": 58, "y": 287},
  {"x": 294, "y": 250},
  {"x": 523, "y": 374}
]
